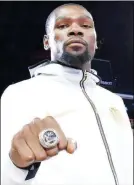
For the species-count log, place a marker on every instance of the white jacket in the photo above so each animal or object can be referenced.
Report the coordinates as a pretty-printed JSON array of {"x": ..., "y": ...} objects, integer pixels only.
[{"x": 57, "y": 93}]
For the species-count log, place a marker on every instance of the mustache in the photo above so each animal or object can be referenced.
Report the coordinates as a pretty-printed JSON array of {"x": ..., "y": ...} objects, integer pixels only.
[{"x": 76, "y": 40}]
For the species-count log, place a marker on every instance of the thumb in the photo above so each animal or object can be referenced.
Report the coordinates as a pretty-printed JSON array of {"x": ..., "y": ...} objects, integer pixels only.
[{"x": 71, "y": 145}]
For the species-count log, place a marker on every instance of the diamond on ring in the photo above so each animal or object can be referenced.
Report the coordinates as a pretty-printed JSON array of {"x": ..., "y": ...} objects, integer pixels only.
[{"x": 48, "y": 138}]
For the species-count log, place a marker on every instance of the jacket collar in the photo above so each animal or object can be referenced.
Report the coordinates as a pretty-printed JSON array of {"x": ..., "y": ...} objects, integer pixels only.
[{"x": 68, "y": 73}]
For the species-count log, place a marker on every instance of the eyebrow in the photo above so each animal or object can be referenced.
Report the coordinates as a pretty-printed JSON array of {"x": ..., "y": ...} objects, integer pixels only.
[{"x": 81, "y": 17}]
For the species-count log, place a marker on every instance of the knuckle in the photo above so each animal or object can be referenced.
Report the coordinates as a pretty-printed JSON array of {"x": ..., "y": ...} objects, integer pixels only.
[
  {"x": 41, "y": 157},
  {"x": 28, "y": 158},
  {"x": 49, "y": 121},
  {"x": 35, "y": 120},
  {"x": 26, "y": 127},
  {"x": 48, "y": 118}
]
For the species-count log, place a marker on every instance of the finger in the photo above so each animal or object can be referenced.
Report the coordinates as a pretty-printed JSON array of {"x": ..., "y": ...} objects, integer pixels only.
[
  {"x": 18, "y": 160},
  {"x": 52, "y": 152},
  {"x": 62, "y": 143},
  {"x": 21, "y": 152},
  {"x": 50, "y": 122},
  {"x": 49, "y": 152},
  {"x": 33, "y": 143},
  {"x": 35, "y": 126},
  {"x": 71, "y": 146}
]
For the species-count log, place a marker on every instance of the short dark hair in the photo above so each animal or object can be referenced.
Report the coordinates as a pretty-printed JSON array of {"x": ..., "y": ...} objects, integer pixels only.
[{"x": 53, "y": 12}]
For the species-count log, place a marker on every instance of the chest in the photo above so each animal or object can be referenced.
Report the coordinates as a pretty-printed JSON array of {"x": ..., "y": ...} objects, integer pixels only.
[{"x": 89, "y": 164}]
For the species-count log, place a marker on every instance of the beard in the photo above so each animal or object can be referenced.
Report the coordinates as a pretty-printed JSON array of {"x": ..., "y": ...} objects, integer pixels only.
[{"x": 75, "y": 60}]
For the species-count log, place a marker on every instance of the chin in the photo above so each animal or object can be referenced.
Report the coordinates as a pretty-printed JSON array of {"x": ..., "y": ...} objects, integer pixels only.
[{"x": 76, "y": 53}]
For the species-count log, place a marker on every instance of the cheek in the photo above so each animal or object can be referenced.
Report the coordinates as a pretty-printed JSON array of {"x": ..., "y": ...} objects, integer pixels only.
[
  {"x": 55, "y": 41},
  {"x": 91, "y": 38},
  {"x": 59, "y": 40},
  {"x": 92, "y": 44},
  {"x": 59, "y": 37}
]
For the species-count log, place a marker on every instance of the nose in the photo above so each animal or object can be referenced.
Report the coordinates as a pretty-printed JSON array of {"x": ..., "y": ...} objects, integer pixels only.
[{"x": 75, "y": 31}]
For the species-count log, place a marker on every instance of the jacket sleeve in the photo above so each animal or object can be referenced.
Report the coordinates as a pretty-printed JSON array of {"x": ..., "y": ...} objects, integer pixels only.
[
  {"x": 128, "y": 142},
  {"x": 125, "y": 115},
  {"x": 10, "y": 174}
]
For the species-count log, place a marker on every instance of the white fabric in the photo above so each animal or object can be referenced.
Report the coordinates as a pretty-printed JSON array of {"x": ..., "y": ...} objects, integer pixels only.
[{"x": 57, "y": 93}]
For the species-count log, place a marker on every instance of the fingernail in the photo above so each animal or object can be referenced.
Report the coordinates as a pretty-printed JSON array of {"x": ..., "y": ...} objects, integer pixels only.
[
  {"x": 72, "y": 145},
  {"x": 75, "y": 143}
]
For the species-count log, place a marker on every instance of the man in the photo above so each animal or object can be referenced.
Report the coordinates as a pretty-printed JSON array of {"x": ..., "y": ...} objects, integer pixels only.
[{"x": 63, "y": 100}]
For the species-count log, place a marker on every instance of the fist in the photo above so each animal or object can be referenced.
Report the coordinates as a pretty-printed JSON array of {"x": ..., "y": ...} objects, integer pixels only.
[{"x": 26, "y": 148}]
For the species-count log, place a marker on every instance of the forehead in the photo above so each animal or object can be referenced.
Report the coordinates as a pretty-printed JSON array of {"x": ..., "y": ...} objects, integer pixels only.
[
  {"x": 69, "y": 11},
  {"x": 72, "y": 12}
]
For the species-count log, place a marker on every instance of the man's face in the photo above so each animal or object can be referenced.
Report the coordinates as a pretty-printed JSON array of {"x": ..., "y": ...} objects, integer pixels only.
[{"x": 72, "y": 31}]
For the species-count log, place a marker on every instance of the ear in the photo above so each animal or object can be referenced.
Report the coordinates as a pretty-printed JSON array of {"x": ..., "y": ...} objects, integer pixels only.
[
  {"x": 46, "y": 42},
  {"x": 96, "y": 47}
]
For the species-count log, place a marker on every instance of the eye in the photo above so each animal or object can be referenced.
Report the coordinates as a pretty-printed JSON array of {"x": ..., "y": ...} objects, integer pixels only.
[
  {"x": 62, "y": 26},
  {"x": 86, "y": 26}
]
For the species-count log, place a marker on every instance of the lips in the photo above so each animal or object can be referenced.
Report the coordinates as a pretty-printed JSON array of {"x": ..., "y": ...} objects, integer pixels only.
[{"x": 75, "y": 41}]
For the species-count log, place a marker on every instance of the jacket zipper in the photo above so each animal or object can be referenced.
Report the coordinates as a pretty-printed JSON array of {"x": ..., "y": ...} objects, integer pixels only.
[{"x": 100, "y": 128}]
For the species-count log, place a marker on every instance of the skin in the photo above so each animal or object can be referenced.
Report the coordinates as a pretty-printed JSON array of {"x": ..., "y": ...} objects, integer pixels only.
[
  {"x": 71, "y": 23},
  {"x": 26, "y": 149},
  {"x": 76, "y": 24}
]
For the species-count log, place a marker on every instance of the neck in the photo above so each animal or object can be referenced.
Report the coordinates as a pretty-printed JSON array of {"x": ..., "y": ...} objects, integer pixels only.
[{"x": 73, "y": 61}]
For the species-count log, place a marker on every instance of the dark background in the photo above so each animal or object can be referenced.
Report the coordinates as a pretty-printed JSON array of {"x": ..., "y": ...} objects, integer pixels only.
[{"x": 22, "y": 29}]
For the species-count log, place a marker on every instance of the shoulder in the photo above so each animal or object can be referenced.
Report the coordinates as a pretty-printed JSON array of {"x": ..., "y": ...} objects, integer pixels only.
[
  {"x": 24, "y": 87},
  {"x": 23, "y": 91},
  {"x": 109, "y": 97},
  {"x": 17, "y": 87}
]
